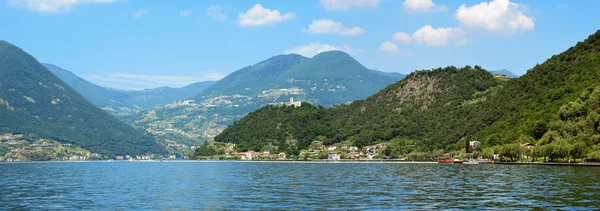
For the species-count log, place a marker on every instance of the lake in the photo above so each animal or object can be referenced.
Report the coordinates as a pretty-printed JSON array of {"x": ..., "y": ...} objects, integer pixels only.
[{"x": 294, "y": 186}]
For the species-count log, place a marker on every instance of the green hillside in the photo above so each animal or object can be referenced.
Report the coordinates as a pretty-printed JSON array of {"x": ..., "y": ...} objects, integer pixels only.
[
  {"x": 554, "y": 105},
  {"x": 527, "y": 105},
  {"x": 126, "y": 102},
  {"x": 427, "y": 105},
  {"x": 328, "y": 78},
  {"x": 35, "y": 102}
]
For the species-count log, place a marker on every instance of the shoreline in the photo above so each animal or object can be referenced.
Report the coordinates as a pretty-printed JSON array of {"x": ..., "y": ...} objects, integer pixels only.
[
  {"x": 594, "y": 164},
  {"x": 227, "y": 161},
  {"x": 590, "y": 164}
]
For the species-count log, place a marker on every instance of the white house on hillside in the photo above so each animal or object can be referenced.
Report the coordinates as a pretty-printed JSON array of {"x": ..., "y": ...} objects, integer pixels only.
[{"x": 294, "y": 103}]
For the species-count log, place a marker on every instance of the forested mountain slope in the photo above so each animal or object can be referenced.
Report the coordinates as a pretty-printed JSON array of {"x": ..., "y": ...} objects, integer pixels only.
[
  {"x": 36, "y": 103},
  {"x": 446, "y": 108}
]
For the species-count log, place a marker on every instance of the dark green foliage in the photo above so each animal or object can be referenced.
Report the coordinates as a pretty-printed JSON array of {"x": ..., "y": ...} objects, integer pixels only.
[
  {"x": 555, "y": 103},
  {"x": 397, "y": 111},
  {"x": 538, "y": 95},
  {"x": 37, "y": 103}
]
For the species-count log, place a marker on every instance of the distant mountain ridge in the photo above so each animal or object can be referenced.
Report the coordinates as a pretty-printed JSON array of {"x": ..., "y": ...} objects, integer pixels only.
[
  {"x": 126, "y": 102},
  {"x": 504, "y": 72},
  {"x": 328, "y": 79},
  {"x": 36, "y": 103}
]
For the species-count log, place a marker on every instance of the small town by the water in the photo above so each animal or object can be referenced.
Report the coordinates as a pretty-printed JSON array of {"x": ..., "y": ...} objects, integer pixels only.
[{"x": 299, "y": 105}]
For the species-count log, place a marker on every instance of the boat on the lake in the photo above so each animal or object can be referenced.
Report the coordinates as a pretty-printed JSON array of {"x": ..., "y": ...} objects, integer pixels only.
[{"x": 471, "y": 161}]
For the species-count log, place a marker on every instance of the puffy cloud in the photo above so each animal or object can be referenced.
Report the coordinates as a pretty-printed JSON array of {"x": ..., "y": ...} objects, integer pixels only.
[
  {"x": 216, "y": 12},
  {"x": 388, "y": 46},
  {"x": 140, "y": 13},
  {"x": 324, "y": 26},
  {"x": 259, "y": 16},
  {"x": 313, "y": 49},
  {"x": 497, "y": 16},
  {"x": 433, "y": 37},
  {"x": 418, "y": 6},
  {"x": 401, "y": 37},
  {"x": 52, "y": 6},
  {"x": 185, "y": 12},
  {"x": 427, "y": 35},
  {"x": 348, "y": 4}
]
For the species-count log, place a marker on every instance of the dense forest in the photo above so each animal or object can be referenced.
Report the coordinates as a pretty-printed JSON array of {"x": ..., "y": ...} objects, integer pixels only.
[
  {"x": 553, "y": 106},
  {"x": 439, "y": 98},
  {"x": 36, "y": 103}
]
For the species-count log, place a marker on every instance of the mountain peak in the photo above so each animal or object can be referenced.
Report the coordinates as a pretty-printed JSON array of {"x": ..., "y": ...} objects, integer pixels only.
[{"x": 335, "y": 53}]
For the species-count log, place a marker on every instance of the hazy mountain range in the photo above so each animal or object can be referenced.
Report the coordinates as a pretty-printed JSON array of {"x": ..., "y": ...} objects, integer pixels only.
[{"x": 126, "y": 102}]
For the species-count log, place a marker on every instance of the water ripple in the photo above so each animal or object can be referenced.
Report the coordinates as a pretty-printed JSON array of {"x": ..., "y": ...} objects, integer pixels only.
[{"x": 295, "y": 186}]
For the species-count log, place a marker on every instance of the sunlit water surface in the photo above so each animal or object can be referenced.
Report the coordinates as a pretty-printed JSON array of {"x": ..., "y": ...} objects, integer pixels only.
[{"x": 294, "y": 186}]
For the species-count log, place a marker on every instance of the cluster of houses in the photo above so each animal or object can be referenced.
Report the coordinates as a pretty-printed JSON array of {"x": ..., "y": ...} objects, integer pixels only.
[
  {"x": 82, "y": 157},
  {"x": 137, "y": 157},
  {"x": 346, "y": 151},
  {"x": 266, "y": 155}
]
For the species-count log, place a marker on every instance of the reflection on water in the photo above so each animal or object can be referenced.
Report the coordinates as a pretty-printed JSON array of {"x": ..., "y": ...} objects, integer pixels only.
[{"x": 255, "y": 185}]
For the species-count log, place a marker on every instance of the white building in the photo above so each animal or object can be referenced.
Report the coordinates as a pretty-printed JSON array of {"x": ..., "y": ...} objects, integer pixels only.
[
  {"x": 474, "y": 144},
  {"x": 333, "y": 156},
  {"x": 294, "y": 103}
]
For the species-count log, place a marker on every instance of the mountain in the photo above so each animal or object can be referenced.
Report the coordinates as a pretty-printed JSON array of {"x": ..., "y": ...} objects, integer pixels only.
[
  {"x": 327, "y": 79},
  {"x": 36, "y": 103},
  {"x": 427, "y": 106},
  {"x": 126, "y": 102},
  {"x": 504, "y": 72},
  {"x": 555, "y": 105},
  {"x": 398, "y": 76}
]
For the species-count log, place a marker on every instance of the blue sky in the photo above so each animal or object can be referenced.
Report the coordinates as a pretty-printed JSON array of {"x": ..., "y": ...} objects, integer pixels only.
[{"x": 136, "y": 44}]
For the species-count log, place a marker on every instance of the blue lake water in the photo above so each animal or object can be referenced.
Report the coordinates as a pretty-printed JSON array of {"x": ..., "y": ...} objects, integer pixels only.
[{"x": 294, "y": 186}]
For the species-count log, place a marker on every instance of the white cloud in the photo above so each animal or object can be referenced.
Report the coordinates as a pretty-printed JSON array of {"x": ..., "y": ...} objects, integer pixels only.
[
  {"x": 324, "y": 26},
  {"x": 433, "y": 37},
  {"x": 388, "y": 46},
  {"x": 427, "y": 35},
  {"x": 352, "y": 51},
  {"x": 259, "y": 16},
  {"x": 348, "y": 4},
  {"x": 140, "y": 13},
  {"x": 313, "y": 49},
  {"x": 185, "y": 12},
  {"x": 139, "y": 81},
  {"x": 497, "y": 16},
  {"x": 401, "y": 37},
  {"x": 418, "y": 6},
  {"x": 216, "y": 12},
  {"x": 52, "y": 6}
]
